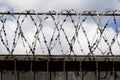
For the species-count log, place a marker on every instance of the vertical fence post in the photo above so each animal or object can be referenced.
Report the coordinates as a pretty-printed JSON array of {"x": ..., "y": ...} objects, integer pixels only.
[
  {"x": 17, "y": 75},
  {"x": 65, "y": 72},
  {"x": 97, "y": 72},
  {"x": 114, "y": 72},
  {"x": 2, "y": 75},
  {"x": 81, "y": 75}
]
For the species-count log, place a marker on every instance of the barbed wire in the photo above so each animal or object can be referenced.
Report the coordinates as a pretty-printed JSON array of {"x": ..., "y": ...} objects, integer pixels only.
[
  {"x": 66, "y": 33},
  {"x": 60, "y": 38}
]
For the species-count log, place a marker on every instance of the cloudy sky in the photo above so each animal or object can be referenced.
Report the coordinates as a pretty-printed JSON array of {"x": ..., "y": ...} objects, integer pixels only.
[
  {"x": 59, "y": 5},
  {"x": 46, "y": 5}
]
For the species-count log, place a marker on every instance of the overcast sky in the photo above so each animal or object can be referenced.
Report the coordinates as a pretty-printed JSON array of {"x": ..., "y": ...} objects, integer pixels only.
[{"x": 59, "y": 5}]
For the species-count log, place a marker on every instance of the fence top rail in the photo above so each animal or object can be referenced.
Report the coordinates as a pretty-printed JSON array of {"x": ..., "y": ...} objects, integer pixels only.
[
  {"x": 74, "y": 56},
  {"x": 65, "y": 13},
  {"x": 61, "y": 57}
]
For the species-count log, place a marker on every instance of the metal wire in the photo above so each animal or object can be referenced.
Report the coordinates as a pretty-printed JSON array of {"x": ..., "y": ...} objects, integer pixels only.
[
  {"x": 58, "y": 36},
  {"x": 59, "y": 31}
]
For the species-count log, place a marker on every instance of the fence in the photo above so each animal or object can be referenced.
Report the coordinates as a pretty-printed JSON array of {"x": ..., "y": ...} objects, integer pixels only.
[
  {"x": 88, "y": 40},
  {"x": 64, "y": 33}
]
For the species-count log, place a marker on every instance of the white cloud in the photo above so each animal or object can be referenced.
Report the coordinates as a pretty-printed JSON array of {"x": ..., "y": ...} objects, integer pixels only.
[
  {"x": 4, "y": 8},
  {"x": 58, "y": 5}
]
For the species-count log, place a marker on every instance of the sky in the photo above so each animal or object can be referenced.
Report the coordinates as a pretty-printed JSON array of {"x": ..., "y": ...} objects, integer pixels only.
[{"x": 59, "y": 5}]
